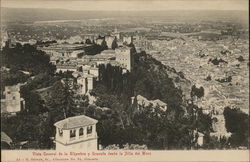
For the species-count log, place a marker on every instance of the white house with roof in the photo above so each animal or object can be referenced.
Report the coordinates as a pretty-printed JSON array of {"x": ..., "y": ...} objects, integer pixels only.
[
  {"x": 78, "y": 133},
  {"x": 143, "y": 102}
]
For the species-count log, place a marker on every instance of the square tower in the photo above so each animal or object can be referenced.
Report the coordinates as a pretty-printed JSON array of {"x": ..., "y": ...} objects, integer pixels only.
[
  {"x": 124, "y": 57},
  {"x": 78, "y": 133},
  {"x": 12, "y": 101}
]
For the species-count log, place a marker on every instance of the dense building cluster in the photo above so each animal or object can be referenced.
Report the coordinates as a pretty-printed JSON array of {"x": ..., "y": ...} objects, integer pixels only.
[{"x": 73, "y": 57}]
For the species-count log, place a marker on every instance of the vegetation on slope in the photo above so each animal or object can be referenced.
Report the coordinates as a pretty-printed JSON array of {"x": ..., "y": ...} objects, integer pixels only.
[
  {"x": 122, "y": 123},
  {"x": 172, "y": 129},
  {"x": 237, "y": 123}
]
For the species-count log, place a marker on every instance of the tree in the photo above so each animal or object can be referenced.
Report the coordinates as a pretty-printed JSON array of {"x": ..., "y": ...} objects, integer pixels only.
[
  {"x": 199, "y": 92},
  {"x": 33, "y": 103},
  {"x": 237, "y": 123},
  {"x": 61, "y": 104},
  {"x": 104, "y": 45},
  {"x": 27, "y": 58},
  {"x": 240, "y": 58},
  {"x": 94, "y": 49},
  {"x": 13, "y": 77},
  {"x": 88, "y": 41},
  {"x": 153, "y": 127},
  {"x": 45, "y": 132},
  {"x": 114, "y": 45}
]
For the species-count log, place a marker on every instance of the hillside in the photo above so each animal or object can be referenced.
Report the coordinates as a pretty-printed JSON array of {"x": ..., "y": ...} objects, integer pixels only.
[{"x": 152, "y": 80}]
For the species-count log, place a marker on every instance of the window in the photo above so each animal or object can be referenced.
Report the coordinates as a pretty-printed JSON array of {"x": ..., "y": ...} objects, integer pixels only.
[
  {"x": 72, "y": 133},
  {"x": 13, "y": 97},
  {"x": 89, "y": 130},
  {"x": 60, "y": 132},
  {"x": 81, "y": 132}
]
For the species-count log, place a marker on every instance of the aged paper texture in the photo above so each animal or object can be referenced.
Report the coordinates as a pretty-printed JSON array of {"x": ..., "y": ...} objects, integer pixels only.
[{"x": 124, "y": 80}]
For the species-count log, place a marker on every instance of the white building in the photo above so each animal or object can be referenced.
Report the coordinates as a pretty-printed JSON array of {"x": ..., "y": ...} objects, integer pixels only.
[
  {"x": 100, "y": 41},
  {"x": 12, "y": 101},
  {"x": 87, "y": 69},
  {"x": 76, "y": 133},
  {"x": 127, "y": 39},
  {"x": 98, "y": 59},
  {"x": 111, "y": 41},
  {"x": 74, "y": 39},
  {"x": 54, "y": 60},
  {"x": 86, "y": 83},
  {"x": 65, "y": 67},
  {"x": 94, "y": 71},
  {"x": 91, "y": 37},
  {"x": 143, "y": 102},
  {"x": 65, "y": 50}
]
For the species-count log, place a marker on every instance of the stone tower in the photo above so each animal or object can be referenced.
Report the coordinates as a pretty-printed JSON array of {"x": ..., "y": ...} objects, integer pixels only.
[{"x": 124, "y": 57}]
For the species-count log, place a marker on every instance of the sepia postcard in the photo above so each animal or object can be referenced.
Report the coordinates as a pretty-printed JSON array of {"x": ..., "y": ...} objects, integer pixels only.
[{"x": 124, "y": 80}]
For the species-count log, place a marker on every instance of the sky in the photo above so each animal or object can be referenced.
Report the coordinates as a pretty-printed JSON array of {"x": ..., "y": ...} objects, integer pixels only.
[{"x": 129, "y": 5}]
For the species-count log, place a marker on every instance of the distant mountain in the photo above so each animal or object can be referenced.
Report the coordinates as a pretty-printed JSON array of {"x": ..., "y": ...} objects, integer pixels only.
[
  {"x": 14, "y": 14},
  {"x": 28, "y": 14}
]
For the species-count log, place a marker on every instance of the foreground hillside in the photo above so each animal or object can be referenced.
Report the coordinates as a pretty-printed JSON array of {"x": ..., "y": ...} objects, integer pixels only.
[{"x": 152, "y": 80}]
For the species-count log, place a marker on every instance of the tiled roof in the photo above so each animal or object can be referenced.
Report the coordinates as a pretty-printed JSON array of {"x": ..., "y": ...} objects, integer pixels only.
[{"x": 75, "y": 122}]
